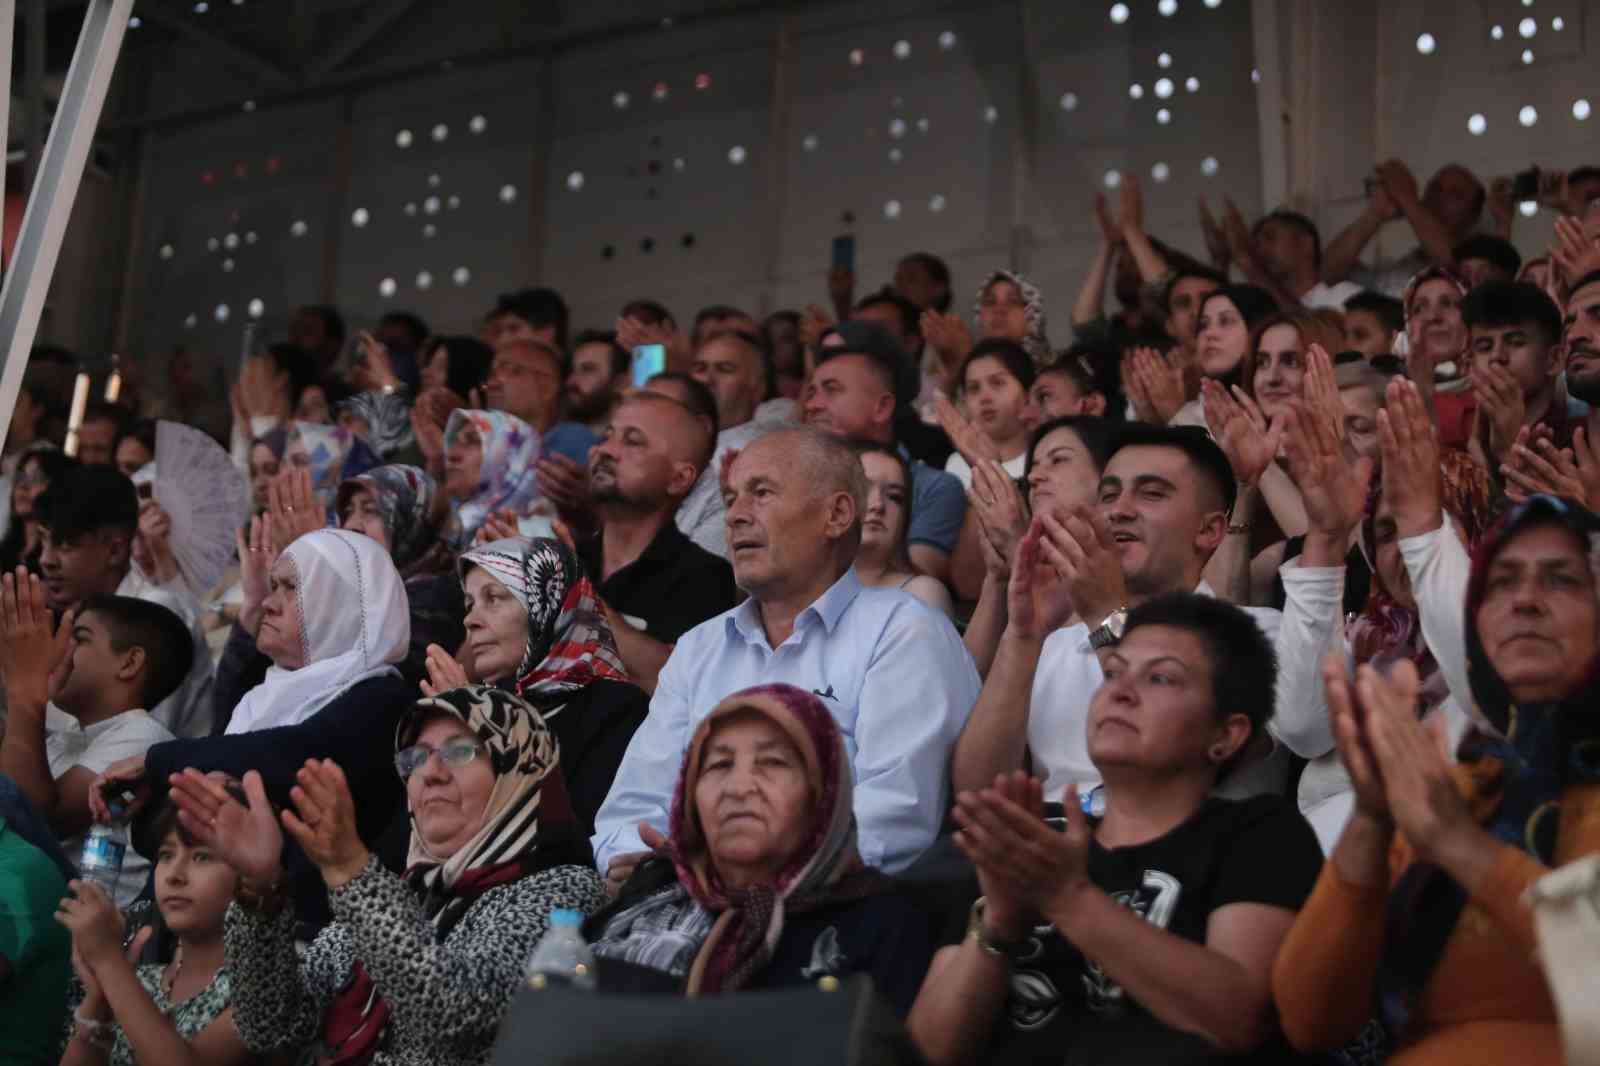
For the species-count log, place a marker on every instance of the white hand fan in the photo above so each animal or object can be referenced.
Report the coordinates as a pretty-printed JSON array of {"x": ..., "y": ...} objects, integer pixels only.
[{"x": 205, "y": 496}]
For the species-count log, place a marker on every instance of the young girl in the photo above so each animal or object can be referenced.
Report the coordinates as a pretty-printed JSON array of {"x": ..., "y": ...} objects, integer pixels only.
[
  {"x": 884, "y": 560},
  {"x": 151, "y": 1014},
  {"x": 995, "y": 381}
]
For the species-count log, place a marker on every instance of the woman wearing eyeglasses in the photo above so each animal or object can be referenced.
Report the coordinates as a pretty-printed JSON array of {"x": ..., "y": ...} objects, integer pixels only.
[{"x": 419, "y": 968}]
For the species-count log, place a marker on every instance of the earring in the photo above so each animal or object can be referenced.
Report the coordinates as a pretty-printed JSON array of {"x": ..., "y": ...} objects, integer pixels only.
[{"x": 1216, "y": 755}]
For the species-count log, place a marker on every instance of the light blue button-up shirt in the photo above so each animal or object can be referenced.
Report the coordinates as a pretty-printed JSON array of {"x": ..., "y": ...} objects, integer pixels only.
[{"x": 900, "y": 684}]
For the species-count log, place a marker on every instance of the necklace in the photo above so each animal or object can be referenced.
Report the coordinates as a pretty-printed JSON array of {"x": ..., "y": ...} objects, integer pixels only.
[{"x": 173, "y": 970}]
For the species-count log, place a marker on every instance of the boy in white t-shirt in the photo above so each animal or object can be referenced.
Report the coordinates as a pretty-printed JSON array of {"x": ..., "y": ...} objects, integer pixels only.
[{"x": 75, "y": 700}]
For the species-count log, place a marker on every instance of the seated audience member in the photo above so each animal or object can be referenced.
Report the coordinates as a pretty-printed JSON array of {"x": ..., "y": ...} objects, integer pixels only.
[
  {"x": 1145, "y": 933},
  {"x": 1009, "y": 307},
  {"x": 1064, "y": 464},
  {"x": 538, "y": 315},
  {"x": 654, "y": 584},
  {"x": 89, "y": 517},
  {"x": 330, "y": 454},
  {"x": 460, "y": 364},
  {"x": 1225, "y": 319},
  {"x": 891, "y": 672},
  {"x": 1162, "y": 511},
  {"x": 330, "y": 613},
  {"x": 135, "y": 447},
  {"x": 597, "y": 378},
  {"x": 921, "y": 377},
  {"x": 70, "y": 721},
  {"x": 102, "y": 424},
  {"x": 319, "y": 332},
  {"x": 1483, "y": 258},
  {"x": 923, "y": 280},
  {"x": 765, "y": 814},
  {"x": 35, "y": 951},
  {"x": 270, "y": 392},
  {"x": 402, "y": 509},
  {"x": 1372, "y": 321},
  {"x": 526, "y": 381},
  {"x": 534, "y": 627},
  {"x": 780, "y": 333},
  {"x": 1437, "y": 352},
  {"x": 265, "y": 463},
  {"x": 145, "y": 1013},
  {"x": 1442, "y": 217},
  {"x": 995, "y": 380},
  {"x": 1065, "y": 388},
  {"x": 1422, "y": 908},
  {"x": 488, "y": 468},
  {"x": 715, "y": 320},
  {"x": 23, "y": 542},
  {"x": 734, "y": 367},
  {"x": 1515, "y": 362},
  {"x": 1417, "y": 547},
  {"x": 851, "y": 396},
  {"x": 884, "y": 560},
  {"x": 1536, "y": 271},
  {"x": 413, "y": 969},
  {"x": 382, "y": 421},
  {"x": 1289, "y": 249}
]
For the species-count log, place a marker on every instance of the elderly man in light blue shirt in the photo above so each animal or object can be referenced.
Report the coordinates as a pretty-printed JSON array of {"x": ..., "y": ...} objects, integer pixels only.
[{"x": 897, "y": 678}]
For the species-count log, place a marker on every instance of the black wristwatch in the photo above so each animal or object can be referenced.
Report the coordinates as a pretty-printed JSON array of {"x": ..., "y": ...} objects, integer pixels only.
[
  {"x": 1109, "y": 631},
  {"x": 1003, "y": 949}
]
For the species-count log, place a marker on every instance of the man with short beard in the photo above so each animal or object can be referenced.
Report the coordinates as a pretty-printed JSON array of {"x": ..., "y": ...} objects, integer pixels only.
[
  {"x": 595, "y": 380},
  {"x": 655, "y": 583}
]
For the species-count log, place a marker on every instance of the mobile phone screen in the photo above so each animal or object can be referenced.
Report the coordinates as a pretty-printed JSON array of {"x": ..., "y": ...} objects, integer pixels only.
[
  {"x": 844, "y": 252},
  {"x": 648, "y": 361}
]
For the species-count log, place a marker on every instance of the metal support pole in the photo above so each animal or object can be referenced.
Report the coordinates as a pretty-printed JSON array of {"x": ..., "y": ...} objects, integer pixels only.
[
  {"x": 8, "y": 26},
  {"x": 53, "y": 194},
  {"x": 33, "y": 95}
]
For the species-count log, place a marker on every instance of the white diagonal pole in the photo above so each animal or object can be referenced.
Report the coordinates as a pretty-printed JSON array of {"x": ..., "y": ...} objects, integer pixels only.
[{"x": 55, "y": 187}]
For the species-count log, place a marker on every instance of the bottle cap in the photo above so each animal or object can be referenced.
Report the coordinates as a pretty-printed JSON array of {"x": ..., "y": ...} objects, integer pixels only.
[{"x": 563, "y": 917}]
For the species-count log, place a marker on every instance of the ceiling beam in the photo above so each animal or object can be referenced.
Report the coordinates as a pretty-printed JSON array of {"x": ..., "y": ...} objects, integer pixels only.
[
  {"x": 186, "y": 25},
  {"x": 377, "y": 19}
]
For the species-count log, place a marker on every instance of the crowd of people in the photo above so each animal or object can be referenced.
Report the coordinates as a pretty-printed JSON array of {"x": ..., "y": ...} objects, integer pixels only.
[{"x": 1213, "y": 688}]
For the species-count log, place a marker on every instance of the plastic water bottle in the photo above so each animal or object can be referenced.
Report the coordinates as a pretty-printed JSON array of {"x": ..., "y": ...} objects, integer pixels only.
[
  {"x": 562, "y": 957},
  {"x": 101, "y": 861}
]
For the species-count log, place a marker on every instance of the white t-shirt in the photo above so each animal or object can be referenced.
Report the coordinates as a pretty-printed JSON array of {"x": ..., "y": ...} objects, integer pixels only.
[
  {"x": 1016, "y": 466},
  {"x": 187, "y": 712},
  {"x": 1324, "y": 295},
  {"x": 68, "y": 744}
]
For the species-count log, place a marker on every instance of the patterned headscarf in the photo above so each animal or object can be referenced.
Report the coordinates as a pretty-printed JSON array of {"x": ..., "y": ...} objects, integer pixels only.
[
  {"x": 1517, "y": 780},
  {"x": 388, "y": 419},
  {"x": 405, "y": 497},
  {"x": 332, "y": 453},
  {"x": 507, "y": 479},
  {"x": 570, "y": 644},
  {"x": 720, "y": 938},
  {"x": 1033, "y": 341}
]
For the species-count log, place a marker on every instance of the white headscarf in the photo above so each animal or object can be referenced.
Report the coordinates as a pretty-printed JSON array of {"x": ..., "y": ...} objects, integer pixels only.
[{"x": 355, "y": 622}]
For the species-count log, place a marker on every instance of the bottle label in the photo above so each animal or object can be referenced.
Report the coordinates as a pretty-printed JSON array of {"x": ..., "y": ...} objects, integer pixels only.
[{"x": 103, "y": 852}]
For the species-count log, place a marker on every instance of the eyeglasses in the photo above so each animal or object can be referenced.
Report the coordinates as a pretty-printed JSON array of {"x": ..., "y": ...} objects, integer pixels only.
[{"x": 453, "y": 753}]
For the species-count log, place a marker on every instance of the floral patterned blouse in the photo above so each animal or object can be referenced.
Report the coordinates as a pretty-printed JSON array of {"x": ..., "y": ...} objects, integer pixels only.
[{"x": 189, "y": 1017}]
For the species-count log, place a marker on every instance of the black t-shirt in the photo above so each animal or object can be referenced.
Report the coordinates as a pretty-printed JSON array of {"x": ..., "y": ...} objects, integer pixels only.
[
  {"x": 672, "y": 587},
  {"x": 1062, "y": 1008}
]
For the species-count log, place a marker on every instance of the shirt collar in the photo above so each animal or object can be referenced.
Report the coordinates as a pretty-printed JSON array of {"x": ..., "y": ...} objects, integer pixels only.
[{"x": 827, "y": 609}]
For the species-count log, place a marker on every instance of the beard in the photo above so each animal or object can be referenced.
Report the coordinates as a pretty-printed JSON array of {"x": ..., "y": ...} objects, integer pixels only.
[
  {"x": 1585, "y": 387},
  {"x": 588, "y": 406}
]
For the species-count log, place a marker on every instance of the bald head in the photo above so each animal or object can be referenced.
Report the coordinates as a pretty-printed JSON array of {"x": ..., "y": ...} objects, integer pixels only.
[
  {"x": 650, "y": 455},
  {"x": 688, "y": 436}
]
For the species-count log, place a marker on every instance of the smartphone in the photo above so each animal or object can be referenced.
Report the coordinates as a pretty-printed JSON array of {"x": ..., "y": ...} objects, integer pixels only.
[
  {"x": 844, "y": 253},
  {"x": 648, "y": 361},
  {"x": 1525, "y": 186}
]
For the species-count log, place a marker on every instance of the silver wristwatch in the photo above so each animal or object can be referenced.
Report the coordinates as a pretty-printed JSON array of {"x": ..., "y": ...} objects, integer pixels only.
[{"x": 1109, "y": 631}]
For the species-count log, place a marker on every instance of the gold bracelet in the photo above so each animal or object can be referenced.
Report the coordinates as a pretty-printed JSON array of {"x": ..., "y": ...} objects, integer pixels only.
[{"x": 998, "y": 948}]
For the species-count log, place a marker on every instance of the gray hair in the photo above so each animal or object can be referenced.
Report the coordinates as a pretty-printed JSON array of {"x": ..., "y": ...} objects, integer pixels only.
[{"x": 829, "y": 464}]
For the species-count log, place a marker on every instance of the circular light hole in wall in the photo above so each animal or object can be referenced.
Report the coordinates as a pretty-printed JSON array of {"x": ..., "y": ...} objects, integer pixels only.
[
  {"x": 936, "y": 203},
  {"x": 1558, "y": 24},
  {"x": 1213, "y": 4},
  {"x": 1119, "y": 13},
  {"x": 434, "y": 180},
  {"x": 424, "y": 281},
  {"x": 857, "y": 57},
  {"x": 947, "y": 40},
  {"x": 620, "y": 100},
  {"x": 678, "y": 164},
  {"x": 1528, "y": 115},
  {"x": 1164, "y": 60},
  {"x": 575, "y": 180},
  {"x": 402, "y": 139},
  {"x": 227, "y": 266},
  {"x": 360, "y": 217},
  {"x": 1069, "y": 101},
  {"x": 452, "y": 202},
  {"x": 221, "y": 313},
  {"x": 212, "y": 244},
  {"x": 902, "y": 49},
  {"x": 1208, "y": 166},
  {"x": 411, "y": 208},
  {"x": 1580, "y": 110},
  {"x": 1528, "y": 27},
  {"x": 736, "y": 154},
  {"x": 1113, "y": 178},
  {"x": 134, "y": 22},
  {"x": 1167, "y": 8},
  {"x": 1255, "y": 75},
  {"x": 1497, "y": 31},
  {"x": 191, "y": 320},
  {"x": 991, "y": 114},
  {"x": 1164, "y": 88},
  {"x": 461, "y": 275},
  {"x": 1136, "y": 91},
  {"x": 1161, "y": 172},
  {"x": 387, "y": 287},
  {"x": 250, "y": 237},
  {"x": 430, "y": 231},
  {"x": 891, "y": 210},
  {"x": 477, "y": 124},
  {"x": 231, "y": 241},
  {"x": 1476, "y": 124},
  {"x": 430, "y": 206},
  {"x": 922, "y": 125},
  {"x": 1163, "y": 116},
  {"x": 1426, "y": 44},
  {"x": 1527, "y": 57},
  {"x": 508, "y": 194},
  {"x": 809, "y": 142},
  {"x": 256, "y": 309},
  {"x": 897, "y": 128},
  {"x": 297, "y": 228},
  {"x": 249, "y": 106},
  {"x": 166, "y": 251},
  {"x": 895, "y": 155},
  {"x": 441, "y": 132}
]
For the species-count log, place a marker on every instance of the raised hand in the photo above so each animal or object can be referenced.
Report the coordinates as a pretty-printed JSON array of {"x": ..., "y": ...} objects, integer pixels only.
[
  {"x": 1130, "y": 205},
  {"x": 97, "y": 928},
  {"x": 967, "y": 438},
  {"x": 246, "y": 838},
  {"x": 1399, "y": 183},
  {"x": 1500, "y": 404},
  {"x": 1347, "y": 719},
  {"x": 1334, "y": 492},
  {"x": 1501, "y": 207},
  {"x": 948, "y": 335},
  {"x": 324, "y": 821},
  {"x": 1321, "y": 389},
  {"x": 1536, "y": 465},
  {"x": 34, "y": 655},
  {"x": 1576, "y": 251},
  {"x": 1080, "y": 548},
  {"x": 1240, "y": 244},
  {"x": 1002, "y": 512},
  {"x": 1216, "y": 240},
  {"x": 1032, "y": 866},
  {"x": 499, "y": 525},
  {"x": 293, "y": 507},
  {"x": 1241, "y": 431},
  {"x": 155, "y": 541},
  {"x": 260, "y": 391},
  {"x": 1409, "y": 445},
  {"x": 444, "y": 672},
  {"x": 564, "y": 483},
  {"x": 257, "y": 553},
  {"x": 378, "y": 370},
  {"x": 813, "y": 324},
  {"x": 1155, "y": 384},
  {"x": 1109, "y": 234}
]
